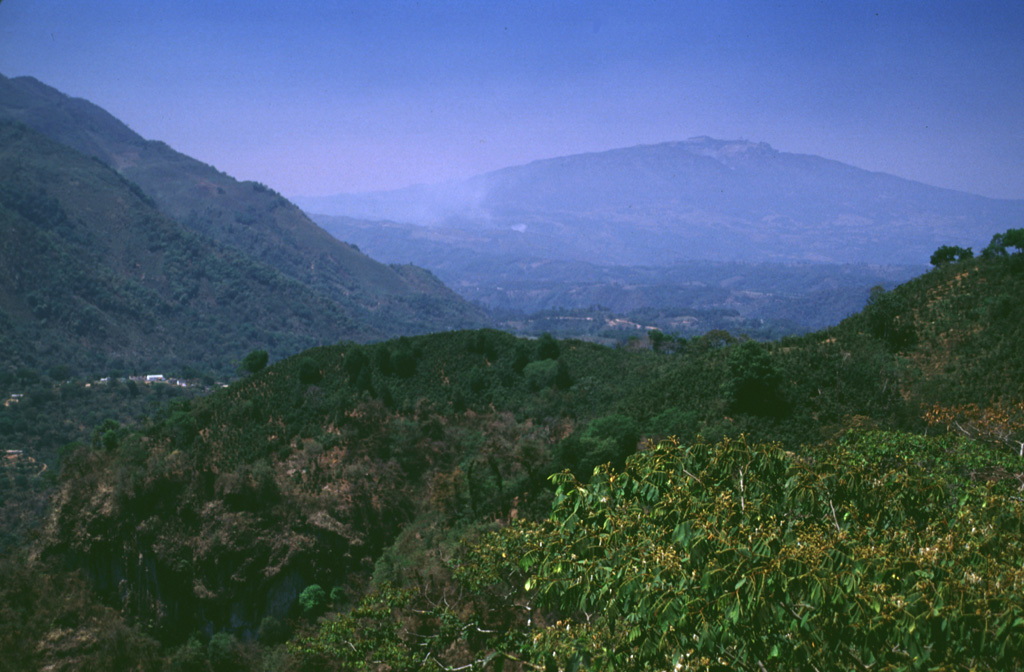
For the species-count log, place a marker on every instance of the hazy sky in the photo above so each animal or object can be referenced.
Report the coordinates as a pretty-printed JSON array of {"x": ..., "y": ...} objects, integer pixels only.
[{"x": 314, "y": 98}]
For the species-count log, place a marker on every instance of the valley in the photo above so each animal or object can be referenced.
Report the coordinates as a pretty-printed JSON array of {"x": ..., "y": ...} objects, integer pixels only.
[
  {"x": 788, "y": 240},
  {"x": 789, "y": 298}
]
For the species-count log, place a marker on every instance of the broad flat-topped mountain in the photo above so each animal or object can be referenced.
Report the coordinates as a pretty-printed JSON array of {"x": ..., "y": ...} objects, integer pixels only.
[
  {"x": 696, "y": 199},
  {"x": 247, "y": 217}
]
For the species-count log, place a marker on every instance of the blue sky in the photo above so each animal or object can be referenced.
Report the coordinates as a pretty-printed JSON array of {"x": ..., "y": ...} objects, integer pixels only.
[{"x": 314, "y": 98}]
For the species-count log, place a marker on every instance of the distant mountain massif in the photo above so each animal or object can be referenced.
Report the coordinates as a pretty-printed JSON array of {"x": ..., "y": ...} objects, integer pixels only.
[
  {"x": 625, "y": 227},
  {"x": 706, "y": 199},
  {"x": 122, "y": 252}
]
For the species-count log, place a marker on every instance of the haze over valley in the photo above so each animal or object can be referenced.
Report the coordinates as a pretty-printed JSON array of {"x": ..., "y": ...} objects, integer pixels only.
[{"x": 699, "y": 223}]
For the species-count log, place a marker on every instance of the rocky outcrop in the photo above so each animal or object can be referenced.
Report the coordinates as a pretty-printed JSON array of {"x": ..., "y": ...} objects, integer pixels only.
[{"x": 178, "y": 562}]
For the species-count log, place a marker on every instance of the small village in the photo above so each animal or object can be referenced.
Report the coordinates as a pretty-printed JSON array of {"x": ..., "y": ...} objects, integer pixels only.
[
  {"x": 150, "y": 379},
  {"x": 21, "y": 459}
]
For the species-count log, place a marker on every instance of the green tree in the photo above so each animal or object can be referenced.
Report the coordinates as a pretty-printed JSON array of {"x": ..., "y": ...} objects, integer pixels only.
[
  {"x": 948, "y": 254},
  {"x": 393, "y": 629},
  {"x": 60, "y": 372},
  {"x": 547, "y": 347},
  {"x": 1001, "y": 241},
  {"x": 271, "y": 631},
  {"x": 563, "y": 379},
  {"x": 753, "y": 382},
  {"x": 607, "y": 440},
  {"x": 995, "y": 248},
  {"x": 1014, "y": 238},
  {"x": 255, "y": 361},
  {"x": 658, "y": 339},
  {"x": 383, "y": 359},
  {"x": 888, "y": 319},
  {"x": 225, "y": 653},
  {"x": 542, "y": 374},
  {"x": 27, "y": 375},
  {"x": 356, "y": 360},
  {"x": 309, "y": 371},
  {"x": 106, "y": 434},
  {"x": 404, "y": 362},
  {"x": 676, "y": 422},
  {"x": 521, "y": 357},
  {"x": 313, "y": 600},
  {"x": 190, "y": 657},
  {"x": 477, "y": 381}
]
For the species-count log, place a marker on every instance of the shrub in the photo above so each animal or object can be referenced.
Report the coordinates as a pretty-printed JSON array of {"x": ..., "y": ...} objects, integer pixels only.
[{"x": 313, "y": 600}]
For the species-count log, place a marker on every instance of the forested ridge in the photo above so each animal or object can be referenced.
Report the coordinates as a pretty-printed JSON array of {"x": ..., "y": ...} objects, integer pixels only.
[
  {"x": 848, "y": 499},
  {"x": 102, "y": 279},
  {"x": 121, "y": 253},
  {"x": 95, "y": 278}
]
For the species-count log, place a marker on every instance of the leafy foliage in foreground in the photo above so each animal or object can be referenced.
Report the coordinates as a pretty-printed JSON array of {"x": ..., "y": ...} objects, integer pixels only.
[
  {"x": 883, "y": 552},
  {"x": 877, "y": 553}
]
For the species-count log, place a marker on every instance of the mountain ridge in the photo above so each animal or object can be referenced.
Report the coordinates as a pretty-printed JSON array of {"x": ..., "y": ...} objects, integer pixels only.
[
  {"x": 247, "y": 216},
  {"x": 94, "y": 278}
]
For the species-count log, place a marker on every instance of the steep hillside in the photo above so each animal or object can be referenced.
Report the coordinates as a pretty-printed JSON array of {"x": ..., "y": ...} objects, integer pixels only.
[
  {"x": 354, "y": 465},
  {"x": 94, "y": 277},
  {"x": 959, "y": 327},
  {"x": 240, "y": 500},
  {"x": 246, "y": 216}
]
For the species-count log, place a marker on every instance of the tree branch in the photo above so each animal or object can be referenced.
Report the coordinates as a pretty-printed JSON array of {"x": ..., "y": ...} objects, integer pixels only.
[{"x": 834, "y": 518}]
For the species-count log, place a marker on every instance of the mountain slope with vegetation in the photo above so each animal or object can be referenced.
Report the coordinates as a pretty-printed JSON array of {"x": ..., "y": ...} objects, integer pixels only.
[
  {"x": 93, "y": 277},
  {"x": 419, "y": 469},
  {"x": 248, "y": 217}
]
